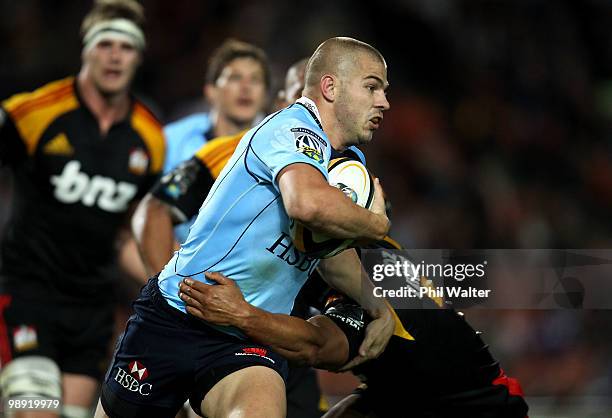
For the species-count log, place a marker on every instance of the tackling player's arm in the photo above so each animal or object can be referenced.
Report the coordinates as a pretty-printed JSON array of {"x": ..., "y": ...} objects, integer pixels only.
[
  {"x": 345, "y": 273},
  {"x": 309, "y": 199},
  {"x": 152, "y": 225},
  {"x": 317, "y": 342}
]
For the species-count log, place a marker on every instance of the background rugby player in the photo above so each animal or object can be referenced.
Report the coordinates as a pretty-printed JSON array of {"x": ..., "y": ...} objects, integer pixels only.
[
  {"x": 82, "y": 151},
  {"x": 237, "y": 81}
]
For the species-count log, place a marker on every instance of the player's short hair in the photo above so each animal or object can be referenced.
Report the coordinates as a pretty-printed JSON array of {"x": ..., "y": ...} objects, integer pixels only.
[
  {"x": 334, "y": 56},
  {"x": 113, "y": 9},
  {"x": 230, "y": 50}
]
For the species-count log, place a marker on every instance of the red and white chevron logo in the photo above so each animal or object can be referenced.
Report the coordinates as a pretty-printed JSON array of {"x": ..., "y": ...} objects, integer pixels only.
[{"x": 138, "y": 370}]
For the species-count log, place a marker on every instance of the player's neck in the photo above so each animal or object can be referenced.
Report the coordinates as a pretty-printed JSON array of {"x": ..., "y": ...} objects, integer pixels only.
[
  {"x": 330, "y": 123},
  {"x": 107, "y": 109},
  {"x": 224, "y": 126}
]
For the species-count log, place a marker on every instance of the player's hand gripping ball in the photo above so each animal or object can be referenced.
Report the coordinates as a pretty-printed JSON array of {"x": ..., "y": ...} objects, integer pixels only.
[{"x": 355, "y": 181}]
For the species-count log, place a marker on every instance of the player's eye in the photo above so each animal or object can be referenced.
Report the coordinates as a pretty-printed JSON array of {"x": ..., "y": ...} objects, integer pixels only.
[
  {"x": 127, "y": 47},
  {"x": 104, "y": 44}
]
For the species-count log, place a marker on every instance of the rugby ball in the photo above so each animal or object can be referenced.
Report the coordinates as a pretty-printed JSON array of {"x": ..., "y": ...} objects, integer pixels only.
[{"x": 355, "y": 181}]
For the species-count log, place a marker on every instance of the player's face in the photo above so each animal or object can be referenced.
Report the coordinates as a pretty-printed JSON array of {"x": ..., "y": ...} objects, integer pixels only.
[
  {"x": 294, "y": 84},
  {"x": 112, "y": 65},
  {"x": 240, "y": 91},
  {"x": 362, "y": 99}
]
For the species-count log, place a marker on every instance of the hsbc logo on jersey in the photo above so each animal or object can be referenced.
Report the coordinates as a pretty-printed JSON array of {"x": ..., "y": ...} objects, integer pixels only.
[
  {"x": 72, "y": 186},
  {"x": 133, "y": 378}
]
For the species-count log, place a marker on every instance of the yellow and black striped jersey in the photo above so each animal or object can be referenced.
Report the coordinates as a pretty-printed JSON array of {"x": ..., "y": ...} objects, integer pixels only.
[
  {"x": 73, "y": 187},
  {"x": 185, "y": 188}
]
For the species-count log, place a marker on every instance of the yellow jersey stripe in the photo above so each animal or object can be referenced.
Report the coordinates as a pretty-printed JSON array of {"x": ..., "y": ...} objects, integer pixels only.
[
  {"x": 151, "y": 133},
  {"x": 19, "y": 103}
]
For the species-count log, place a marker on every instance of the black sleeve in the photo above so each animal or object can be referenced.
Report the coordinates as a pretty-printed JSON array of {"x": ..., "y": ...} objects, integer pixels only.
[
  {"x": 185, "y": 188},
  {"x": 12, "y": 148},
  {"x": 350, "y": 318}
]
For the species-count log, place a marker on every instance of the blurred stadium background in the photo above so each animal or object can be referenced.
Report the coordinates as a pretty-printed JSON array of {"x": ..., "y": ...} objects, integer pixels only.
[{"x": 499, "y": 135}]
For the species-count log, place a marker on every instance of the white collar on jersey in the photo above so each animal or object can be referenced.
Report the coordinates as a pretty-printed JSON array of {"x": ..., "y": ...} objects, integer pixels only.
[{"x": 310, "y": 105}]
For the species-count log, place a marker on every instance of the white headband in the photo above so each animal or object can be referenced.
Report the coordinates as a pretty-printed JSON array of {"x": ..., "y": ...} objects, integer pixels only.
[{"x": 115, "y": 29}]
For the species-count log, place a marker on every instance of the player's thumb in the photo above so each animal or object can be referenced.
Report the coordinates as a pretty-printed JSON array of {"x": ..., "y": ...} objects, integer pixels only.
[{"x": 378, "y": 206}]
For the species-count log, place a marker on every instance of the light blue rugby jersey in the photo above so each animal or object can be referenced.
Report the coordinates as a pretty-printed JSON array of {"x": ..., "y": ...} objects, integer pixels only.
[
  {"x": 184, "y": 138},
  {"x": 242, "y": 229}
]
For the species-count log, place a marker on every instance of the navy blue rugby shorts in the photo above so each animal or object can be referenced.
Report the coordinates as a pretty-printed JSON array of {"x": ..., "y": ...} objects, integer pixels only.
[{"x": 165, "y": 357}]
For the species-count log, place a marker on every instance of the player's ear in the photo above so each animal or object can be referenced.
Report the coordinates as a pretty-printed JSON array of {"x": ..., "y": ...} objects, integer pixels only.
[
  {"x": 210, "y": 93},
  {"x": 329, "y": 86}
]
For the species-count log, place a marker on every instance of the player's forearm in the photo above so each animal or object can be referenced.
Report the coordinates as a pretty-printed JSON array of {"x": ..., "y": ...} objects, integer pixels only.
[
  {"x": 345, "y": 273},
  {"x": 318, "y": 343},
  {"x": 337, "y": 216},
  {"x": 154, "y": 233},
  {"x": 309, "y": 199}
]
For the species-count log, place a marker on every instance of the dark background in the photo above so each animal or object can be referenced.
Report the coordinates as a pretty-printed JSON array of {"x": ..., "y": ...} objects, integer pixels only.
[{"x": 498, "y": 136}]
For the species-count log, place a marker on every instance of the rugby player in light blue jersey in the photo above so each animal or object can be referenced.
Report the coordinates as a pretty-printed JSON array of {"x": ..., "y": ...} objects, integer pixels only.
[
  {"x": 278, "y": 173},
  {"x": 236, "y": 87}
]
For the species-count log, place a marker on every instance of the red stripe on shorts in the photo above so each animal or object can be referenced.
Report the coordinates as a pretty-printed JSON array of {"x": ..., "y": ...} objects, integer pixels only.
[{"x": 5, "y": 346}]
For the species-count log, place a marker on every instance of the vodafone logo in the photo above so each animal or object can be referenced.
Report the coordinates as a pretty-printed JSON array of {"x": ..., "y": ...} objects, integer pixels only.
[{"x": 138, "y": 371}]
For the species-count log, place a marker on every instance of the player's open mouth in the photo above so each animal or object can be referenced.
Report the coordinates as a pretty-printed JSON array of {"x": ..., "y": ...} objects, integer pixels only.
[{"x": 112, "y": 73}]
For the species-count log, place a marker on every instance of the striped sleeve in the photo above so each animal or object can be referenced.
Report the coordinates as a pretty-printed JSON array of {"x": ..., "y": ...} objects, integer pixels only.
[
  {"x": 185, "y": 187},
  {"x": 26, "y": 116},
  {"x": 151, "y": 132}
]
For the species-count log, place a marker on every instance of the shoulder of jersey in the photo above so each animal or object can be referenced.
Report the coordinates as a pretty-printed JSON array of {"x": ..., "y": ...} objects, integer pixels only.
[
  {"x": 219, "y": 150},
  {"x": 150, "y": 129},
  {"x": 195, "y": 124},
  {"x": 22, "y": 104},
  {"x": 359, "y": 155},
  {"x": 32, "y": 112}
]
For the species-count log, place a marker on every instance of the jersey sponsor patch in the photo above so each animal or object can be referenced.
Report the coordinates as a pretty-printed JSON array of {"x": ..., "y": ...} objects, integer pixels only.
[
  {"x": 73, "y": 186},
  {"x": 59, "y": 145},
  {"x": 25, "y": 338},
  {"x": 309, "y": 143},
  {"x": 138, "y": 161}
]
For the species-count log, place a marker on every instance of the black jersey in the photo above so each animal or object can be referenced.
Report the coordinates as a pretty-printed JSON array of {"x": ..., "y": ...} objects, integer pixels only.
[{"x": 73, "y": 188}]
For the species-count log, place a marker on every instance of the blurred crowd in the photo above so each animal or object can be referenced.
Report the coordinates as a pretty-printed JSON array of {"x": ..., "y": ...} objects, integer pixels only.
[{"x": 498, "y": 136}]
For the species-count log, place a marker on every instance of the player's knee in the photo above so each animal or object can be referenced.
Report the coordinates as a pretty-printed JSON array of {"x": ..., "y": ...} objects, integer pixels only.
[
  {"x": 74, "y": 411},
  {"x": 253, "y": 392},
  {"x": 31, "y": 376}
]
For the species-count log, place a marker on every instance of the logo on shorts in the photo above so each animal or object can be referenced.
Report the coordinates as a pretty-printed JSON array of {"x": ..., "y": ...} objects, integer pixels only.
[
  {"x": 132, "y": 380},
  {"x": 25, "y": 338},
  {"x": 255, "y": 351},
  {"x": 138, "y": 371}
]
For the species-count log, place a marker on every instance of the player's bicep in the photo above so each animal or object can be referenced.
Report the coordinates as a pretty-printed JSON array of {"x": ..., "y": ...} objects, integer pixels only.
[
  {"x": 184, "y": 189},
  {"x": 12, "y": 147},
  {"x": 299, "y": 184}
]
